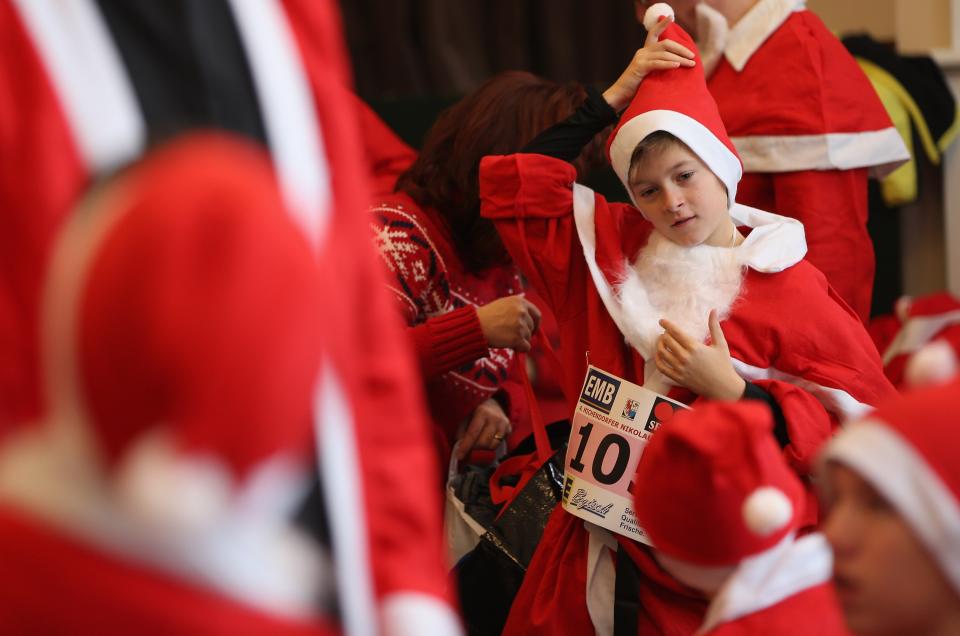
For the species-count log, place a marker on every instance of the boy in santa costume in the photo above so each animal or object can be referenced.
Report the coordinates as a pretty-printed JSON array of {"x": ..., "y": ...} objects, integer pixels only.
[
  {"x": 90, "y": 86},
  {"x": 892, "y": 491},
  {"x": 806, "y": 123},
  {"x": 638, "y": 290},
  {"x": 723, "y": 509}
]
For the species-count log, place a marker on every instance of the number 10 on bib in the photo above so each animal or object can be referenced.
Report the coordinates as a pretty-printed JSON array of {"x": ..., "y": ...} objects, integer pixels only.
[{"x": 612, "y": 424}]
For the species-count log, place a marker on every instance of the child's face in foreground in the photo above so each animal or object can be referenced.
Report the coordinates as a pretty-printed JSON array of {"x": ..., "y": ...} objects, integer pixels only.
[
  {"x": 684, "y": 199},
  {"x": 886, "y": 581}
]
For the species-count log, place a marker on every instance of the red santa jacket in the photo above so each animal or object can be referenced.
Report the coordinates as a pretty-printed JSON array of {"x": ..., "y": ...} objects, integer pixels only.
[
  {"x": 69, "y": 114},
  {"x": 573, "y": 245},
  {"x": 44, "y": 570},
  {"x": 808, "y": 127}
]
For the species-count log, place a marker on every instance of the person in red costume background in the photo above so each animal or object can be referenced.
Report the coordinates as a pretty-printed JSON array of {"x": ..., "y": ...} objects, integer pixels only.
[
  {"x": 458, "y": 291},
  {"x": 922, "y": 331},
  {"x": 89, "y": 86},
  {"x": 640, "y": 289},
  {"x": 806, "y": 123},
  {"x": 892, "y": 493}
]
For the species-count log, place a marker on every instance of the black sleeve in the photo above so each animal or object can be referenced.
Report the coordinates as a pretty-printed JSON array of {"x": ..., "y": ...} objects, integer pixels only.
[
  {"x": 753, "y": 392},
  {"x": 566, "y": 139}
]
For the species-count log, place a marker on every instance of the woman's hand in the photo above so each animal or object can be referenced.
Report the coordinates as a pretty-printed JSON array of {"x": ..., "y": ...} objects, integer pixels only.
[
  {"x": 704, "y": 369},
  {"x": 509, "y": 322},
  {"x": 654, "y": 56},
  {"x": 488, "y": 426}
]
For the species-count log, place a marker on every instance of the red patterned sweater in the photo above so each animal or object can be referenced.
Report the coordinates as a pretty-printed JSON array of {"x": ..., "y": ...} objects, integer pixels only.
[{"x": 438, "y": 298}]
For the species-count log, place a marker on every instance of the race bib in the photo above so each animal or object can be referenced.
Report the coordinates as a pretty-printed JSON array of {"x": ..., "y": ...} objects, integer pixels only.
[{"x": 611, "y": 426}]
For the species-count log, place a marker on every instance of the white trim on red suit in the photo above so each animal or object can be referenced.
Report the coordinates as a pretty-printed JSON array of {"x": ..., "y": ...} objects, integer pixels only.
[
  {"x": 763, "y": 580},
  {"x": 88, "y": 76}
]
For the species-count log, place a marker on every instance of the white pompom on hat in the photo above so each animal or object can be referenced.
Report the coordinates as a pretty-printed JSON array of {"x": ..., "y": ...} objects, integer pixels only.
[
  {"x": 655, "y": 12},
  {"x": 935, "y": 363},
  {"x": 676, "y": 101},
  {"x": 712, "y": 487},
  {"x": 907, "y": 450}
]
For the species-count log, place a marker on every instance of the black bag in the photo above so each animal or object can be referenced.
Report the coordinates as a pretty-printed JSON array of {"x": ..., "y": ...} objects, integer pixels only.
[{"x": 489, "y": 577}]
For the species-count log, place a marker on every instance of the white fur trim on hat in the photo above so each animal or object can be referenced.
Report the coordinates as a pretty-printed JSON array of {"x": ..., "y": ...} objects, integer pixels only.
[
  {"x": 766, "y": 510},
  {"x": 935, "y": 363},
  {"x": 655, "y": 12},
  {"x": 890, "y": 463},
  {"x": 701, "y": 140}
]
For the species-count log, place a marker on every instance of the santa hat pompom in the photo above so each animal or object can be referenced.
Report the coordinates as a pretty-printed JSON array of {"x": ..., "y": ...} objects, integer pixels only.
[
  {"x": 655, "y": 12},
  {"x": 169, "y": 494},
  {"x": 766, "y": 511},
  {"x": 935, "y": 363}
]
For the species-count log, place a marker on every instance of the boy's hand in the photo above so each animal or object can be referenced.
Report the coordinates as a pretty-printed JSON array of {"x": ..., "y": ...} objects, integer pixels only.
[
  {"x": 654, "y": 56},
  {"x": 704, "y": 369}
]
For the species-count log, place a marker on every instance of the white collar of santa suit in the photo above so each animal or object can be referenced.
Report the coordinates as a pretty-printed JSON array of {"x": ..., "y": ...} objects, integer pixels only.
[
  {"x": 101, "y": 108},
  {"x": 763, "y": 580},
  {"x": 739, "y": 43}
]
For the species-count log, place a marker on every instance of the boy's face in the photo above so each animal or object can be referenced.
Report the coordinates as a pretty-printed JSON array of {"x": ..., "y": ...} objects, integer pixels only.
[
  {"x": 886, "y": 581},
  {"x": 684, "y": 199}
]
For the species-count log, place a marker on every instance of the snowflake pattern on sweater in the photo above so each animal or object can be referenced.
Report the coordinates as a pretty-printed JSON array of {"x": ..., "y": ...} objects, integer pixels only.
[{"x": 429, "y": 280}]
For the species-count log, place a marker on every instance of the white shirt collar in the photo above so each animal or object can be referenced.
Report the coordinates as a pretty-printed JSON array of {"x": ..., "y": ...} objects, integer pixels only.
[
  {"x": 775, "y": 242},
  {"x": 748, "y": 35}
]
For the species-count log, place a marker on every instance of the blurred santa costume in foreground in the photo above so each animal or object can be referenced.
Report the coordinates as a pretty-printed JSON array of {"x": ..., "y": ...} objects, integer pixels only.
[{"x": 181, "y": 352}]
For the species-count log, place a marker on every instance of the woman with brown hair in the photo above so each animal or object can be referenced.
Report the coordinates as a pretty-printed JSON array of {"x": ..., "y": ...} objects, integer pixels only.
[{"x": 460, "y": 295}]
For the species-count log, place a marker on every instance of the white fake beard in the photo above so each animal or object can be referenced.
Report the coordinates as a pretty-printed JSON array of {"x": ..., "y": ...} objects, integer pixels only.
[{"x": 681, "y": 284}]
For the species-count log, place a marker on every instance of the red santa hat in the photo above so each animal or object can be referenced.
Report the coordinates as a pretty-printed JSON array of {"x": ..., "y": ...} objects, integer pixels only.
[
  {"x": 181, "y": 349},
  {"x": 676, "y": 101},
  {"x": 907, "y": 450},
  {"x": 712, "y": 487},
  {"x": 926, "y": 349}
]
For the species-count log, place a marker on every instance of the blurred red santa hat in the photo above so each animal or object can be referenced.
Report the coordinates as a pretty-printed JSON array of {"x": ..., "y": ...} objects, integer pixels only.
[
  {"x": 712, "y": 487},
  {"x": 676, "y": 101},
  {"x": 907, "y": 450},
  {"x": 182, "y": 329}
]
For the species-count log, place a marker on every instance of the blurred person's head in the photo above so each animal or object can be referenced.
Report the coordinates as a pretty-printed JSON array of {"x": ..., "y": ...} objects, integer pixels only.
[
  {"x": 891, "y": 484},
  {"x": 499, "y": 117}
]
